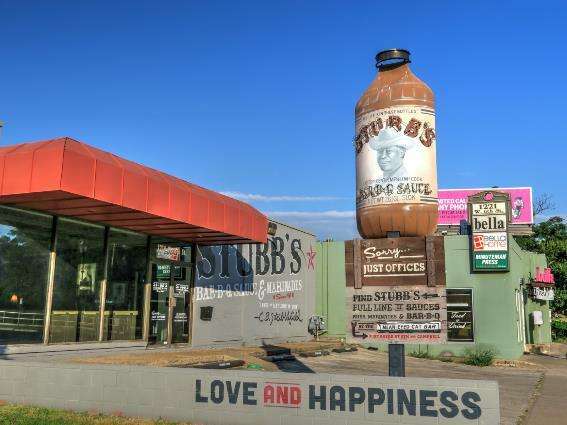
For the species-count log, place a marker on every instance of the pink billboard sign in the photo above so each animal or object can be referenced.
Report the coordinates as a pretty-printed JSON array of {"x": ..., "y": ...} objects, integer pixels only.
[{"x": 453, "y": 204}]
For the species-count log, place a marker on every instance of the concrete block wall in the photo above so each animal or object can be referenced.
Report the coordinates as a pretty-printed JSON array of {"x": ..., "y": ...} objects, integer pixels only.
[{"x": 249, "y": 397}]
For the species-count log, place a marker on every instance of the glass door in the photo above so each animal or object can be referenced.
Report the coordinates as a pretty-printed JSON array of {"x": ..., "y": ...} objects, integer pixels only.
[
  {"x": 180, "y": 300},
  {"x": 169, "y": 304},
  {"x": 159, "y": 303}
]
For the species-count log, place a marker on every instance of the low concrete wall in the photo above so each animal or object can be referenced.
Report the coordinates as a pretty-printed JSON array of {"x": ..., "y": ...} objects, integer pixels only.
[{"x": 247, "y": 397}]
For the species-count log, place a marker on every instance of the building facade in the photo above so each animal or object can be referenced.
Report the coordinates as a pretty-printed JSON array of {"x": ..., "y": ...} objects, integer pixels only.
[
  {"x": 494, "y": 310},
  {"x": 255, "y": 294},
  {"x": 96, "y": 248}
]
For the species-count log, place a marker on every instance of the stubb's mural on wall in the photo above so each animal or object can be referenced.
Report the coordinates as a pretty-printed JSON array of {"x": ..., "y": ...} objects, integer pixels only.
[{"x": 255, "y": 293}]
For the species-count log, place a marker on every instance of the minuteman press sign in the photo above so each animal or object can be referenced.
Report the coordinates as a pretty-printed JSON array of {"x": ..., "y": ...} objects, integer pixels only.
[{"x": 488, "y": 212}]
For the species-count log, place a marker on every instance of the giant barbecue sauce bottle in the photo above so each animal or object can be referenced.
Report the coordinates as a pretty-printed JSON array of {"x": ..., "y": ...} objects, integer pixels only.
[{"x": 395, "y": 147}]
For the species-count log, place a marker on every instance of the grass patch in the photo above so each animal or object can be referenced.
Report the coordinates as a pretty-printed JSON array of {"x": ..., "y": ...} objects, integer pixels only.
[
  {"x": 479, "y": 356},
  {"x": 28, "y": 415}
]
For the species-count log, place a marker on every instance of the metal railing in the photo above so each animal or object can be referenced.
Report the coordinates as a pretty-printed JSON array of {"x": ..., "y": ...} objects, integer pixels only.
[{"x": 10, "y": 319}]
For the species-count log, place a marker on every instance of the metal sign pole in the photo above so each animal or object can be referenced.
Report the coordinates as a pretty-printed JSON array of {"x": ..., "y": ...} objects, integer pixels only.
[
  {"x": 396, "y": 352},
  {"x": 396, "y": 360}
]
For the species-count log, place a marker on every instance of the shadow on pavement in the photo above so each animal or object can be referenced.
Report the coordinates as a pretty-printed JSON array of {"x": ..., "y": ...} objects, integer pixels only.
[
  {"x": 293, "y": 366},
  {"x": 284, "y": 360}
]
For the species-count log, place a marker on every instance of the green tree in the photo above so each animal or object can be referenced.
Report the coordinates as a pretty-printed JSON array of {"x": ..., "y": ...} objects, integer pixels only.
[{"x": 550, "y": 238}]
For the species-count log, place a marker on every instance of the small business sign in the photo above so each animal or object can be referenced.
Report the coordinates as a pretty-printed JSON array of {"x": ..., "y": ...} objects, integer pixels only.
[
  {"x": 544, "y": 276},
  {"x": 489, "y": 218},
  {"x": 460, "y": 320},
  {"x": 180, "y": 317},
  {"x": 400, "y": 261},
  {"x": 180, "y": 289},
  {"x": 159, "y": 286},
  {"x": 543, "y": 285},
  {"x": 490, "y": 261},
  {"x": 543, "y": 294},
  {"x": 158, "y": 316},
  {"x": 86, "y": 277},
  {"x": 165, "y": 252},
  {"x": 397, "y": 314},
  {"x": 490, "y": 241},
  {"x": 163, "y": 271}
]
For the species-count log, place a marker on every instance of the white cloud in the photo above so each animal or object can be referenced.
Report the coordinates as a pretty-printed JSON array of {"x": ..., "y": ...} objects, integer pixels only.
[
  {"x": 312, "y": 214},
  {"x": 338, "y": 225},
  {"x": 279, "y": 198}
]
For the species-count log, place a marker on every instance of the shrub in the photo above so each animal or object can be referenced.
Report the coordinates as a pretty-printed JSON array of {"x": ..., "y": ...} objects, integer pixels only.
[
  {"x": 421, "y": 354},
  {"x": 479, "y": 356},
  {"x": 559, "y": 303},
  {"x": 559, "y": 330}
]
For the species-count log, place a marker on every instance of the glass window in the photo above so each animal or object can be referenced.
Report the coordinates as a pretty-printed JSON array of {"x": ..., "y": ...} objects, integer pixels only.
[
  {"x": 79, "y": 268},
  {"x": 25, "y": 240},
  {"x": 127, "y": 267},
  {"x": 460, "y": 315}
]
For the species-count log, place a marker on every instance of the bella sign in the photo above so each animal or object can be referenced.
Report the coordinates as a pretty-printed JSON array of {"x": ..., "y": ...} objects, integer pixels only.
[{"x": 489, "y": 221}]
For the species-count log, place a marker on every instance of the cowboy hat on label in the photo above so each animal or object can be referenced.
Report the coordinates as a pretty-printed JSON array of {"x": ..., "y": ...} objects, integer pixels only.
[{"x": 390, "y": 137}]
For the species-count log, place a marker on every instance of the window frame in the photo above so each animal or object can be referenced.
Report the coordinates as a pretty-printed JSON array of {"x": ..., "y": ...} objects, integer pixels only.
[{"x": 472, "y": 310}]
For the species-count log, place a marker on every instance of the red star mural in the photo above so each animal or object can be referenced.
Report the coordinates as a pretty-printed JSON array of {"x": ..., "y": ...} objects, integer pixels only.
[{"x": 311, "y": 258}]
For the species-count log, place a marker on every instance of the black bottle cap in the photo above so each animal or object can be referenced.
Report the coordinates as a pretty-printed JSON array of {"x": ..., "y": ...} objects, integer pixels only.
[{"x": 392, "y": 57}]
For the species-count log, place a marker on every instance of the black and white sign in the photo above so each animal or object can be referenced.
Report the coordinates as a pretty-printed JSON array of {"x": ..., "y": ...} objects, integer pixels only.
[{"x": 544, "y": 294}]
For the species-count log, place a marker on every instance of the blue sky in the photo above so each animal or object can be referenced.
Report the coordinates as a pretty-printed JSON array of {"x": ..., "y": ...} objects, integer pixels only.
[{"x": 256, "y": 98}]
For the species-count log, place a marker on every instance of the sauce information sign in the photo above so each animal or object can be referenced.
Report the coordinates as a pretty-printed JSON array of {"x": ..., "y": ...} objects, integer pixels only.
[
  {"x": 489, "y": 224},
  {"x": 398, "y": 314}
]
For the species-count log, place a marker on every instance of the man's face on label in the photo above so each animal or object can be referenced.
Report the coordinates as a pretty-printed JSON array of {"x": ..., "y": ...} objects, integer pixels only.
[{"x": 391, "y": 158}]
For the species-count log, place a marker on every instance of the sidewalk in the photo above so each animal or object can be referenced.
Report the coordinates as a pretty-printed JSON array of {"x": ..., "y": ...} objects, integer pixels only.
[
  {"x": 550, "y": 403},
  {"x": 517, "y": 385}
]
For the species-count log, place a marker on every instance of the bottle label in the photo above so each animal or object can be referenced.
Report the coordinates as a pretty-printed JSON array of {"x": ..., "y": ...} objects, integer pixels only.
[{"x": 395, "y": 156}]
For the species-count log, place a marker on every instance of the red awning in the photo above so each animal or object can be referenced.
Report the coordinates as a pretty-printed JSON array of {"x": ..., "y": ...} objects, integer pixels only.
[{"x": 69, "y": 178}]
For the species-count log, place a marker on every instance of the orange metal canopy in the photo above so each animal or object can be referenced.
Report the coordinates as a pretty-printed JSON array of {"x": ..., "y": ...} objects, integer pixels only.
[{"x": 69, "y": 178}]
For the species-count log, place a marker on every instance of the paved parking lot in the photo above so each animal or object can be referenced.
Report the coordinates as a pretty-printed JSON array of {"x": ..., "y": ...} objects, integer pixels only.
[{"x": 516, "y": 385}]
